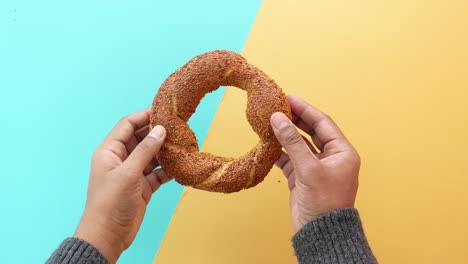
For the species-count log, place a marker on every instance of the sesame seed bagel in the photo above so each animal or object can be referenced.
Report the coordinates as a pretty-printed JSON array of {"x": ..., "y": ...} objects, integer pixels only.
[{"x": 176, "y": 101}]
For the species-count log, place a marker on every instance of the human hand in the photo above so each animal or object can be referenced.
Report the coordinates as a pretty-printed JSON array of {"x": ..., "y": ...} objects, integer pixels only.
[
  {"x": 121, "y": 182},
  {"x": 320, "y": 180}
]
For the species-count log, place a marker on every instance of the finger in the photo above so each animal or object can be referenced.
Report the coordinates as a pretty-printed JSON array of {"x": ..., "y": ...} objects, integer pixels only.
[
  {"x": 139, "y": 135},
  {"x": 282, "y": 159},
  {"x": 291, "y": 140},
  {"x": 286, "y": 166},
  {"x": 127, "y": 126},
  {"x": 318, "y": 124},
  {"x": 146, "y": 192},
  {"x": 306, "y": 128},
  {"x": 310, "y": 145},
  {"x": 151, "y": 166},
  {"x": 147, "y": 149},
  {"x": 157, "y": 178},
  {"x": 291, "y": 182},
  {"x": 136, "y": 139},
  {"x": 284, "y": 163},
  {"x": 142, "y": 133}
]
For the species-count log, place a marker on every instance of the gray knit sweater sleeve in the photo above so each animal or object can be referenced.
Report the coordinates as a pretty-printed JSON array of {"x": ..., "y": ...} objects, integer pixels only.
[
  {"x": 335, "y": 237},
  {"x": 76, "y": 251}
]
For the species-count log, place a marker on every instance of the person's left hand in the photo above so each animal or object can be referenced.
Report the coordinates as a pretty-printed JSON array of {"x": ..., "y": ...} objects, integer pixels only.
[{"x": 121, "y": 182}]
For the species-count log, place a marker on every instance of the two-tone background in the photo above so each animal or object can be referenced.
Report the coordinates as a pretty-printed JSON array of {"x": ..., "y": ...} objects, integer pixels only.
[{"x": 392, "y": 74}]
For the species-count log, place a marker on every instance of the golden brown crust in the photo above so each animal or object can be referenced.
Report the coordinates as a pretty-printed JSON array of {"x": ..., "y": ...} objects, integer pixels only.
[{"x": 176, "y": 101}]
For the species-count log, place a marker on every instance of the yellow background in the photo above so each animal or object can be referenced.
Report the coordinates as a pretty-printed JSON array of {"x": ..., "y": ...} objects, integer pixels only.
[{"x": 394, "y": 76}]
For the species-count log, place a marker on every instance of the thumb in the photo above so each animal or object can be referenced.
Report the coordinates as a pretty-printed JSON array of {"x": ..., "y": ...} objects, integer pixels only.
[
  {"x": 148, "y": 148},
  {"x": 291, "y": 140}
]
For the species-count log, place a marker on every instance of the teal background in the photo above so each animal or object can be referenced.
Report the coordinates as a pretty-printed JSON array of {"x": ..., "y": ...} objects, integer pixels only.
[{"x": 69, "y": 70}]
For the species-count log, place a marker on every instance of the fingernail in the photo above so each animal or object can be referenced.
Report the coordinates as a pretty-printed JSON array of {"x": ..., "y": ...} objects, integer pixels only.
[
  {"x": 157, "y": 132},
  {"x": 280, "y": 120}
]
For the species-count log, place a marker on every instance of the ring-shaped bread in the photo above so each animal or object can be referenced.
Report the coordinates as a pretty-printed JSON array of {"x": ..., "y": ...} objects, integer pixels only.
[{"x": 176, "y": 101}]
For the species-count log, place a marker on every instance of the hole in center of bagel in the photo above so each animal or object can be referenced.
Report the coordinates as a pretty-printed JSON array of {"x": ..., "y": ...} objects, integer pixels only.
[{"x": 230, "y": 134}]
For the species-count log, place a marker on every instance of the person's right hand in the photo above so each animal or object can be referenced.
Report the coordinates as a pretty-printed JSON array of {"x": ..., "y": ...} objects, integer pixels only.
[
  {"x": 320, "y": 181},
  {"x": 121, "y": 182}
]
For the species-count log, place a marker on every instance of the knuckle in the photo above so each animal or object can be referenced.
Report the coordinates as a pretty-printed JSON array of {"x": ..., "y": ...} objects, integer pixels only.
[
  {"x": 97, "y": 155},
  {"x": 126, "y": 125},
  {"x": 124, "y": 119},
  {"x": 312, "y": 166},
  {"x": 356, "y": 158},
  {"x": 353, "y": 161}
]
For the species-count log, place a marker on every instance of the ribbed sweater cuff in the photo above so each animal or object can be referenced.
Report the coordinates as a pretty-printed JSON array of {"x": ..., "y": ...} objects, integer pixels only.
[
  {"x": 76, "y": 251},
  {"x": 335, "y": 237}
]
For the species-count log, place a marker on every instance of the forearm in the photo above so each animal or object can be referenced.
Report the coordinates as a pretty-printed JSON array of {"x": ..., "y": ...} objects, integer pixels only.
[
  {"x": 76, "y": 251},
  {"x": 335, "y": 237}
]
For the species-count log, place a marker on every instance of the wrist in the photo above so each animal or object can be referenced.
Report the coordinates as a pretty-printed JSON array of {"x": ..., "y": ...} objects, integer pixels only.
[
  {"x": 309, "y": 215},
  {"x": 107, "y": 242}
]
